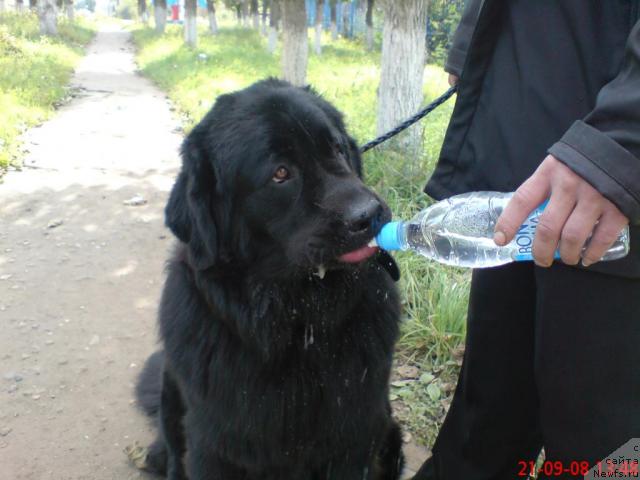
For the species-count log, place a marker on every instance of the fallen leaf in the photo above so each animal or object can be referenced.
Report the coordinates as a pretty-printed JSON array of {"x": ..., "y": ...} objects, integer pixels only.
[
  {"x": 408, "y": 371},
  {"x": 433, "y": 391}
]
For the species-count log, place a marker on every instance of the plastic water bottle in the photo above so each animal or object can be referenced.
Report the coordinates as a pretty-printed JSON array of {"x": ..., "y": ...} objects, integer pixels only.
[{"x": 459, "y": 231}]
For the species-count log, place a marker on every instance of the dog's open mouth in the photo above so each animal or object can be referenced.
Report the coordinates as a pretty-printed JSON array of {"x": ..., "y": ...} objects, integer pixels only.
[{"x": 358, "y": 255}]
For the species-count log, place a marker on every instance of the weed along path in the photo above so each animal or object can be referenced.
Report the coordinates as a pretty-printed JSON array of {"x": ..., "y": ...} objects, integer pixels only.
[
  {"x": 81, "y": 271},
  {"x": 82, "y": 250}
]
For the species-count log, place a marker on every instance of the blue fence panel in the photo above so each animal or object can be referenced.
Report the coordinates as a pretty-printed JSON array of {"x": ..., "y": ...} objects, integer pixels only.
[
  {"x": 311, "y": 11},
  {"x": 348, "y": 28},
  {"x": 326, "y": 20}
]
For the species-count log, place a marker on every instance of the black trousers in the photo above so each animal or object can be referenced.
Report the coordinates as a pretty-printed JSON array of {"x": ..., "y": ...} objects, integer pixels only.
[{"x": 552, "y": 359}]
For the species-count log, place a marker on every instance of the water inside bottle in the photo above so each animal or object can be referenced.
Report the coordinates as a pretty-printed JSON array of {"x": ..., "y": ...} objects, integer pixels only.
[{"x": 459, "y": 232}]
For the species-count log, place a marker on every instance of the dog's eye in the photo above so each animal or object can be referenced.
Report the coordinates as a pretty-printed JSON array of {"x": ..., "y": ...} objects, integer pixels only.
[{"x": 281, "y": 175}]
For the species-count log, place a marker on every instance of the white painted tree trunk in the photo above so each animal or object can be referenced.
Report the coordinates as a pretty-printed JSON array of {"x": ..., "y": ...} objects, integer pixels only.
[
  {"x": 47, "y": 15},
  {"x": 2, "y": 7},
  {"x": 190, "y": 23},
  {"x": 211, "y": 15},
  {"x": 263, "y": 19},
  {"x": 295, "y": 48},
  {"x": 369, "y": 24},
  {"x": 402, "y": 70},
  {"x": 272, "y": 43},
  {"x": 70, "y": 10},
  {"x": 160, "y": 17},
  {"x": 318, "y": 36},
  {"x": 318, "y": 40},
  {"x": 142, "y": 11},
  {"x": 370, "y": 38},
  {"x": 245, "y": 12},
  {"x": 255, "y": 14},
  {"x": 334, "y": 22},
  {"x": 213, "y": 23},
  {"x": 346, "y": 14},
  {"x": 190, "y": 30},
  {"x": 274, "y": 19}
]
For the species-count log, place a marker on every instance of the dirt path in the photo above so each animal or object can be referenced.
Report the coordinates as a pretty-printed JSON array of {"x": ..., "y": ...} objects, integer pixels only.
[
  {"x": 81, "y": 272},
  {"x": 78, "y": 301}
]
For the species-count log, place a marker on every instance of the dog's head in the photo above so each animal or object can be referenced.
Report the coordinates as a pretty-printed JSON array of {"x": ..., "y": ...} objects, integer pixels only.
[{"x": 270, "y": 179}]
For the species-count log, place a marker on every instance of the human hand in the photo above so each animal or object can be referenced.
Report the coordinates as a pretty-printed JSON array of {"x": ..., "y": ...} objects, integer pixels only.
[
  {"x": 453, "y": 79},
  {"x": 574, "y": 209}
]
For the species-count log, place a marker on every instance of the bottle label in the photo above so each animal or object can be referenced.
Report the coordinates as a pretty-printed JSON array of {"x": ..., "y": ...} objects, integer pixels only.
[{"x": 526, "y": 233}]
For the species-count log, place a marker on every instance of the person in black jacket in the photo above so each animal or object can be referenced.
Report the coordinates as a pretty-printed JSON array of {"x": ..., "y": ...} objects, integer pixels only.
[{"x": 549, "y": 106}]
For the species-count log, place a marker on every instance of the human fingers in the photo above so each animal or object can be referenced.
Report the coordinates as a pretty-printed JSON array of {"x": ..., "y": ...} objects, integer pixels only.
[
  {"x": 606, "y": 232},
  {"x": 577, "y": 229},
  {"x": 526, "y": 199}
]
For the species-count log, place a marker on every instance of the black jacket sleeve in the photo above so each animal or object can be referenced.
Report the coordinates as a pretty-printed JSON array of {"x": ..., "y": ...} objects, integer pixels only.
[
  {"x": 462, "y": 37},
  {"x": 604, "y": 147}
]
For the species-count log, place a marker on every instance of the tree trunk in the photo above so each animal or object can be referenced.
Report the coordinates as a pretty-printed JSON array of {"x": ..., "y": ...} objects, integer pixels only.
[
  {"x": 346, "y": 19},
  {"x": 274, "y": 19},
  {"x": 319, "y": 14},
  {"x": 33, "y": 5},
  {"x": 245, "y": 12},
  {"x": 142, "y": 11},
  {"x": 211, "y": 13},
  {"x": 369, "y": 21},
  {"x": 255, "y": 14},
  {"x": 295, "y": 49},
  {"x": 402, "y": 70},
  {"x": 160, "y": 15},
  {"x": 265, "y": 12},
  {"x": 69, "y": 8},
  {"x": 239, "y": 14},
  {"x": 47, "y": 15},
  {"x": 19, "y": 5},
  {"x": 334, "y": 20},
  {"x": 1, "y": 6},
  {"x": 190, "y": 22}
]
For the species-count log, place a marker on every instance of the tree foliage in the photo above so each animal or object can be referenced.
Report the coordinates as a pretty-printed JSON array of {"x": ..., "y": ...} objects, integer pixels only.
[{"x": 444, "y": 16}]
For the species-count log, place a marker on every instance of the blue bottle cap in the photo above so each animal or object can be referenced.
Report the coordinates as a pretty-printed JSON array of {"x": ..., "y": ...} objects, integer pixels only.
[{"x": 388, "y": 238}]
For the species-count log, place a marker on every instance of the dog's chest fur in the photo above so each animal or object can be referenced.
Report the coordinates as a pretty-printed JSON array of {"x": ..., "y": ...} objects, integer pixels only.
[{"x": 297, "y": 364}]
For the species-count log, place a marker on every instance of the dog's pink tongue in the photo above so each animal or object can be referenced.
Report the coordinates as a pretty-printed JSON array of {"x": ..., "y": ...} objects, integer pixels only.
[{"x": 358, "y": 255}]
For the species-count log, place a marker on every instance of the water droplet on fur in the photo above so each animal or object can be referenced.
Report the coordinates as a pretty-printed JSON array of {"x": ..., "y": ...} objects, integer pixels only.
[{"x": 308, "y": 336}]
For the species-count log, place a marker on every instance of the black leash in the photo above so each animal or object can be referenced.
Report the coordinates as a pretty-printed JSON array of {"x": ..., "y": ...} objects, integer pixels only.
[{"x": 410, "y": 121}]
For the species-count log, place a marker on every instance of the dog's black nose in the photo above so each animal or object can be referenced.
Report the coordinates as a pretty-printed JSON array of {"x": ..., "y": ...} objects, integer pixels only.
[{"x": 363, "y": 215}]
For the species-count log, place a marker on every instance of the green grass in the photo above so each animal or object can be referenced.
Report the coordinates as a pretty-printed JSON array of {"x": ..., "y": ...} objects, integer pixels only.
[
  {"x": 34, "y": 72},
  {"x": 435, "y": 297}
]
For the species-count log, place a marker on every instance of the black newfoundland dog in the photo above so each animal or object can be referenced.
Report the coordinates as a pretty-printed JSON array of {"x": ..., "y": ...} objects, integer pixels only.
[{"x": 278, "y": 322}]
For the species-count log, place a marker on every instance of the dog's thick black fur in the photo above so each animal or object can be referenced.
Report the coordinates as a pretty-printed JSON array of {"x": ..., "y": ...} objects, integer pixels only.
[{"x": 273, "y": 369}]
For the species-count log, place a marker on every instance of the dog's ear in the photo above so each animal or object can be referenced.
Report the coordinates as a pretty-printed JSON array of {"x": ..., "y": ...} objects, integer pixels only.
[
  {"x": 176, "y": 213},
  {"x": 189, "y": 211}
]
